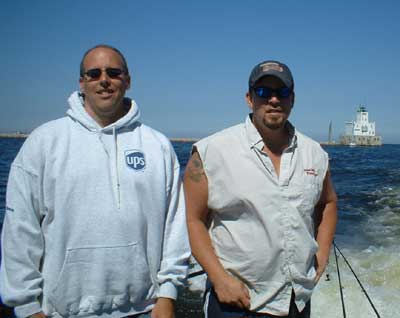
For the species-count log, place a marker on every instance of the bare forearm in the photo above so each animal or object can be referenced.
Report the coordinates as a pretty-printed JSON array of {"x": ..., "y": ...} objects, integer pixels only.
[
  {"x": 327, "y": 227},
  {"x": 326, "y": 213},
  {"x": 228, "y": 289},
  {"x": 203, "y": 250},
  {"x": 326, "y": 232}
]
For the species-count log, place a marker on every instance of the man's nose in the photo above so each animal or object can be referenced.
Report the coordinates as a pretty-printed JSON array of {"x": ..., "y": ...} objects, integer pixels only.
[
  {"x": 274, "y": 100},
  {"x": 104, "y": 79},
  {"x": 104, "y": 74}
]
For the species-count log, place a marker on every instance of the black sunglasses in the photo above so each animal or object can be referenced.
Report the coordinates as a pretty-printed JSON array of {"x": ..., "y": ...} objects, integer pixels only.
[
  {"x": 266, "y": 92},
  {"x": 95, "y": 73}
]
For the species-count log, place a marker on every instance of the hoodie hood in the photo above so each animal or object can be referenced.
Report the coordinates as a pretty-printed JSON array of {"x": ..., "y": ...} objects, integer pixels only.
[{"x": 78, "y": 113}]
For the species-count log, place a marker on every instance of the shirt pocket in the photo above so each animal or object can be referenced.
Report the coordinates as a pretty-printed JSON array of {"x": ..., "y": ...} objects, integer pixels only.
[
  {"x": 305, "y": 194},
  {"x": 101, "y": 278}
]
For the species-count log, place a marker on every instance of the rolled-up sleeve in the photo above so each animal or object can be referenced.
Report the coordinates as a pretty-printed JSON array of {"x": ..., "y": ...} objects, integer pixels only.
[{"x": 176, "y": 249}]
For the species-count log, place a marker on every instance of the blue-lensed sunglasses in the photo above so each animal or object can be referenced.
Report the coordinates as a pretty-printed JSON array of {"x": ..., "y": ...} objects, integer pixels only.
[{"x": 266, "y": 92}]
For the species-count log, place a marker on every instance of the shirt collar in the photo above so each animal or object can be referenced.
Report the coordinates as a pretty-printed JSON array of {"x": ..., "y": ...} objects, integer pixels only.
[{"x": 255, "y": 140}]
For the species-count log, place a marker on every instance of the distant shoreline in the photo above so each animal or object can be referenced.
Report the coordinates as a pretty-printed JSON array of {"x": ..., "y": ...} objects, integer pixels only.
[
  {"x": 20, "y": 135},
  {"x": 184, "y": 139},
  {"x": 13, "y": 135}
]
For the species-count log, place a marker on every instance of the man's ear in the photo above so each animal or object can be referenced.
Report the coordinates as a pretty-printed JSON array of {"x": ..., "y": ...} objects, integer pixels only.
[
  {"x": 249, "y": 100},
  {"x": 81, "y": 84}
]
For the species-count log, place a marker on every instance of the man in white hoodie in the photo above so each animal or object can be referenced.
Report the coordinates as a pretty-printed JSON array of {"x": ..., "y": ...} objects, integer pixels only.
[{"x": 95, "y": 223}]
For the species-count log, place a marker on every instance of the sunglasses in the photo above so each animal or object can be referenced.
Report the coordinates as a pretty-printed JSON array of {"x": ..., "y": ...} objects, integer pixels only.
[
  {"x": 266, "y": 92},
  {"x": 95, "y": 73}
]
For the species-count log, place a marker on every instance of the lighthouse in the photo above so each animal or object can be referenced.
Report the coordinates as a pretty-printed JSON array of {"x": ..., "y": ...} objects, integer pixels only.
[{"x": 360, "y": 132}]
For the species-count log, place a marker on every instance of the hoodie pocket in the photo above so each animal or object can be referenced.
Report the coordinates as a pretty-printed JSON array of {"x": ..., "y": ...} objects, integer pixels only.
[{"x": 101, "y": 278}]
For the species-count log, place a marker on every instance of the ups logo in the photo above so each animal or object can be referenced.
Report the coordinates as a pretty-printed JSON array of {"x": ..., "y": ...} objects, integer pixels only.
[{"x": 135, "y": 159}]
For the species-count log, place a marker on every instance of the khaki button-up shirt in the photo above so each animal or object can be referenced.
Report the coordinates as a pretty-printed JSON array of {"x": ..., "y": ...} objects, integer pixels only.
[{"x": 262, "y": 224}]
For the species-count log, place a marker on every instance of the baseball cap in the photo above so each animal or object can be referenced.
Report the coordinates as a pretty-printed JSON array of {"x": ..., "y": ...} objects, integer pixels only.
[{"x": 272, "y": 68}]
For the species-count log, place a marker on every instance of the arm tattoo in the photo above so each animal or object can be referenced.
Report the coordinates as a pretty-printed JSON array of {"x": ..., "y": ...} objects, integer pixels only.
[{"x": 195, "y": 170}]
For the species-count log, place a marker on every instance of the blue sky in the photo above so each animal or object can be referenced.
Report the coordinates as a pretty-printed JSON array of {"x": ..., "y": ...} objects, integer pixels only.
[{"x": 190, "y": 60}]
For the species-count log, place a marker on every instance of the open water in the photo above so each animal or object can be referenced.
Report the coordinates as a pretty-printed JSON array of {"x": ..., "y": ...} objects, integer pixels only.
[{"x": 367, "y": 182}]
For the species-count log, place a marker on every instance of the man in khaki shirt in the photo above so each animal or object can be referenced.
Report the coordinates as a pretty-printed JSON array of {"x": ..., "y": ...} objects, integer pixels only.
[{"x": 261, "y": 207}]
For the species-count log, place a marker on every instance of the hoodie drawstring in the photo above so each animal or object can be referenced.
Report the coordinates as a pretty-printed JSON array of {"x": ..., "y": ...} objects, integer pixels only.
[
  {"x": 116, "y": 168},
  {"x": 117, "y": 184}
]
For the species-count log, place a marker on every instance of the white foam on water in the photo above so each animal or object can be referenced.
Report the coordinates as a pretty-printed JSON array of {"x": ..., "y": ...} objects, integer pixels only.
[
  {"x": 378, "y": 269},
  {"x": 377, "y": 265}
]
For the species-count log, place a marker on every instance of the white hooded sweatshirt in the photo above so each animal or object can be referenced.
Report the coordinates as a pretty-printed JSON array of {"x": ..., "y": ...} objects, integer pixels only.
[{"x": 95, "y": 223}]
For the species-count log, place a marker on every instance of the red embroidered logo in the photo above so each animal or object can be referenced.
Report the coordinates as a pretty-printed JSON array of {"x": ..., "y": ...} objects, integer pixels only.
[{"x": 311, "y": 172}]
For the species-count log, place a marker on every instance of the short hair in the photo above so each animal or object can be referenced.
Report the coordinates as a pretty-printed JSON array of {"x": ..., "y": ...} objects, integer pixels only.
[{"x": 106, "y": 46}]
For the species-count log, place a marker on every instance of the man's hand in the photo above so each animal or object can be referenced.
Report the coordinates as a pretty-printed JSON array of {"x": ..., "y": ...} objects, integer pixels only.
[
  {"x": 164, "y": 308},
  {"x": 231, "y": 291},
  {"x": 38, "y": 315}
]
